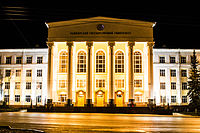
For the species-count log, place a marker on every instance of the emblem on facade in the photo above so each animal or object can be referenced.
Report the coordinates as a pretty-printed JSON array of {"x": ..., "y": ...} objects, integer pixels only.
[{"x": 100, "y": 27}]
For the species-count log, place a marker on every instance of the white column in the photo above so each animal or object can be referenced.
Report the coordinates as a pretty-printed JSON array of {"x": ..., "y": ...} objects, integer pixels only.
[
  {"x": 111, "y": 74},
  {"x": 89, "y": 74},
  {"x": 70, "y": 73},
  {"x": 150, "y": 69},
  {"x": 131, "y": 73}
]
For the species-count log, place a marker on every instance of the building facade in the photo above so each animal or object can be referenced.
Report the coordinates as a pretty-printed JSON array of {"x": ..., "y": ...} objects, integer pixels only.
[
  {"x": 23, "y": 76},
  {"x": 96, "y": 62}
]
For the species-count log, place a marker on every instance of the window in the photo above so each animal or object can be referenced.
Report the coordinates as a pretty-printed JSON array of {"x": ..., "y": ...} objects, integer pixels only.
[
  {"x": 63, "y": 97},
  {"x": 17, "y": 98},
  {"x": 18, "y": 60},
  {"x": 137, "y": 62},
  {"x": 183, "y": 73},
  {"x": 184, "y": 99},
  {"x": 18, "y": 73},
  {"x": 28, "y": 98},
  {"x": 162, "y": 59},
  {"x": 39, "y": 85},
  {"x": 39, "y": 60},
  {"x": 119, "y": 62},
  {"x": 0, "y": 59},
  {"x": 6, "y": 98},
  {"x": 17, "y": 85},
  {"x": 119, "y": 83},
  {"x": 173, "y": 73},
  {"x": 28, "y": 73},
  {"x": 172, "y": 60},
  {"x": 162, "y": 72},
  {"x": 81, "y": 64},
  {"x": 63, "y": 62},
  {"x": 39, "y": 73},
  {"x": 183, "y": 60},
  {"x": 8, "y": 60},
  {"x": 81, "y": 83},
  {"x": 100, "y": 83},
  {"x": 29, "y": 60},
  {"x": 162, "y": 85},
  {"x": 137, "y": 83},
  {"x": 184, "y": 85},
  {"x": 39, "y": 98},
  {"x": 7, "y": 85},
  {"x": 63, "y": 84},
  {"x": 173, "y": 85},
  {"x": 100, "y": 62},
  {"x": 28, "y": 85},
  {"x": 173, "y": 99},
  {"x": 163, "y": 99},
  {"x": 8, "y": 73}
]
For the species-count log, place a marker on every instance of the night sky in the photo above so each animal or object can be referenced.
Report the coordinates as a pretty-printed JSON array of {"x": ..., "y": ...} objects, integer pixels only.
[{"x": 22, "y": 24}]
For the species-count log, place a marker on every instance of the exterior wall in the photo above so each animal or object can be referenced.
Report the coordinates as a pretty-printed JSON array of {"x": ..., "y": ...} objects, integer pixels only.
[
  {"x": 23, "y": 66},
  {"x": 178, "y": 66}
]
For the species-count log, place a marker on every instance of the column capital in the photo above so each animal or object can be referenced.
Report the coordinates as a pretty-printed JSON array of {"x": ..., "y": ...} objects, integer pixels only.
[
  {"x": 111, "y": 43},
  {"x": 89, "y": 43},
  {"x": 131, "y": 43},
  {"x": 70, "y": 43},
  {"x": 50, "y": 44},
  {"x": 150, "y": 44}
]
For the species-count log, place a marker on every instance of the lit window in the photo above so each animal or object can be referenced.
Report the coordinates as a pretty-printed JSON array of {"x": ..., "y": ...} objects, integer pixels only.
[
  {"x": 8, "y": 60},
  {"x": 28, "y": 85},
  {"x": 119, "y": 83},
  {"x": 29, "y": 60},
  {"x": 39, "y": 85},
  {"x": 18, "y": 60},
  {"x": 100, "y": 83},
  {"x": 137, "y": 83},
  {"x": 17, "y": 85},
  {"x": 62, "y": 84},
  {"x": 162, "y": 85},
  {"x": 18, "y": 73},
  {"x": 17, "y": 98},
  {"x": 119, "y": 62},
  {"x": 39, "y": 98},
  {"x": 100, "y": 62},
  {"x": 28, "y": 98},
  {"x": 39, "y": 73},
  {"x": 28, "y": 73},
  {"x": 137, "y": 62},
  {"x": 62, "y": 97},
  {"x": 183, "y": 73},
  {"x": 81, "y": 64},
  {"x": 39, "y": 59},
  {"x": 63, "y": 62},
  {"x": 80, "y": 83}
]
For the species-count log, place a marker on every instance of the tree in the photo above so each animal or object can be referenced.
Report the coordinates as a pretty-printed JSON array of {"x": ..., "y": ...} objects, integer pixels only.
[{"x": 194, "y": 83}]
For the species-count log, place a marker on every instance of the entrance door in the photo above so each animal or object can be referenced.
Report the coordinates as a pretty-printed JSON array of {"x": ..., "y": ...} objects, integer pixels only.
[
  {"x": 100, "y": 98},
  {"x": 80, "y": 98},
  {"x": 119, "y": 98}
]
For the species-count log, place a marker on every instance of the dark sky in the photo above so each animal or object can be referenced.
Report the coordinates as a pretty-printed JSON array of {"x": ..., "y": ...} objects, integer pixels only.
[{"x": 22, "y": 24}]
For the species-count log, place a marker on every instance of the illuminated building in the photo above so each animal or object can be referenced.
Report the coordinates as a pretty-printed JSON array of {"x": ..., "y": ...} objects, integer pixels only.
[
  {"x": 100, "y": 61},
  {"x": 23, "y": 76},
  {"x": 96, "y": 61}
]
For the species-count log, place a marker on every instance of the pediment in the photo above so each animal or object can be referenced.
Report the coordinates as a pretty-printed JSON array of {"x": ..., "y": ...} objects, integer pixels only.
[{"x": 100, "y": 29}]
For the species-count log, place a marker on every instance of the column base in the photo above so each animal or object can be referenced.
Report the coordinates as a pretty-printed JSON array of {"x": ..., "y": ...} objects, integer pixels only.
[
  {"x": 111, "y": 103},
  {"x": 131, "y": 103},
  {"x": 88, "y": 103},
  {"x": 69, "y": 103}
]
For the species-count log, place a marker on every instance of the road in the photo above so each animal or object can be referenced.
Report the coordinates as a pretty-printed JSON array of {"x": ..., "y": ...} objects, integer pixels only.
[{"x": 94, "y": 122}]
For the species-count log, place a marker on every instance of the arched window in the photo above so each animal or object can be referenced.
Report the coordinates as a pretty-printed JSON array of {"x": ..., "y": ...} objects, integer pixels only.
[
  {"x": 81, "y": 64},
  {"x": 63, "y": 60},
  {"x": 137, "y": 62},
  {"x": 119, "y": 62},
  {"x": 100, "y": 62}
]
